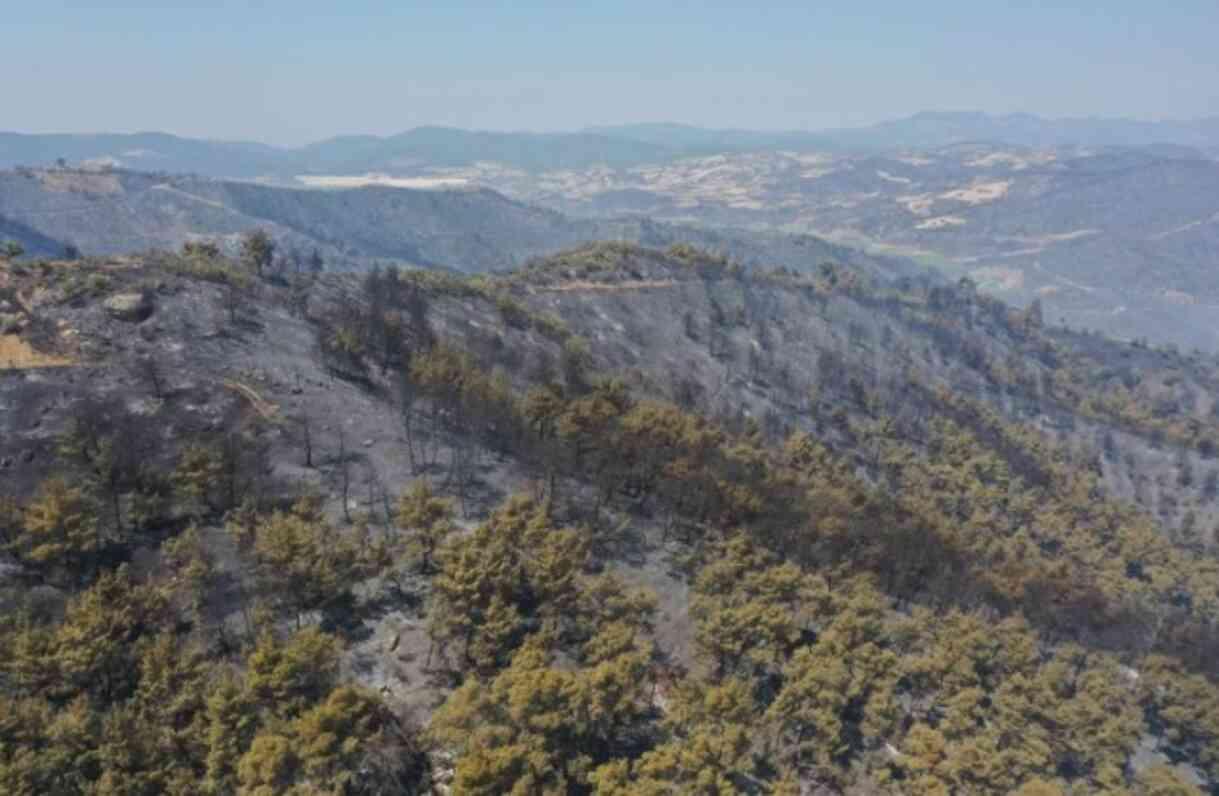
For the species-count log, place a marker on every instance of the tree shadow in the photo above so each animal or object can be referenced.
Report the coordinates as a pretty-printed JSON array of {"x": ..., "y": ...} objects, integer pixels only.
[{"x": 350, "y": 617}]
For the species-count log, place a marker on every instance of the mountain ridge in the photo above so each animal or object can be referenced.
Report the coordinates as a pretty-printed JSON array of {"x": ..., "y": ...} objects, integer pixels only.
[{"x": 631, "y": 144}]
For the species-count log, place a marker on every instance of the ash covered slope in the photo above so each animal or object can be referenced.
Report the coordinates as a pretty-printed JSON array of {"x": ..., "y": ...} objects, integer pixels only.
[
  {"x": 965, "y": 460},
  {"x": 834, "y": 353}
]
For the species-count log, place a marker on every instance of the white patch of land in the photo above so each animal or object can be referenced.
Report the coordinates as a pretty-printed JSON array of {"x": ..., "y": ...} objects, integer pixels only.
[
  {"x": 100, "y": 164},
  {"x": 940, "y": 222},
  {"x": 887, "y": 177},
  {"x": 980, "y": 192},
  {"x": 1017, "y": 160},
  {"x": 1059, "y": 237},
  {"x": 1179, "y": 297},
  {"x": 918, "y": 204},
  {"x": 80, "y": 182},
  {"x": 192, "y": 197},
  {"x": 998, "y": 158},
  {"x": 1062, "y": 279},
  {"x": 808, "y": 159},
  {"x": 997, "y": 278},
  {"x": 363, "y": 180},
  {"x": 1185, "y": 227},
  {"x": 1043, "y": 241}
]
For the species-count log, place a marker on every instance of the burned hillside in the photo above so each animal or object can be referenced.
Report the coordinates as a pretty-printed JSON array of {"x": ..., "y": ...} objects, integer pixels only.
[{"x": 886, "y": 528}]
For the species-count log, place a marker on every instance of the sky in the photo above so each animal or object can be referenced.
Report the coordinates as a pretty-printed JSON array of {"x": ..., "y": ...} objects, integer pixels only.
[{"x": 290, "y": 72}]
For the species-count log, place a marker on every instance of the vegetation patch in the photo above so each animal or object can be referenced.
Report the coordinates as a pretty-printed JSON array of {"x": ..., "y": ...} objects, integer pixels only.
[{"x": 17, "y": 354}]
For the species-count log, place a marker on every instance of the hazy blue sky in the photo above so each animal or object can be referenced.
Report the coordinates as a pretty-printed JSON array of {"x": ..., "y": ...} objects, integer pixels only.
[{"x": 292, "y": 71}]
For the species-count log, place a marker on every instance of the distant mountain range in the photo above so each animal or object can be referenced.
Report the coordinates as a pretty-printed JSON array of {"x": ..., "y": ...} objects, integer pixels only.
[
  {"x": 615, "y": 147},
  {"x": 421, "y": 148},
  {"x": 937, "y": 129},
  {"x": 931, "y": 130}
]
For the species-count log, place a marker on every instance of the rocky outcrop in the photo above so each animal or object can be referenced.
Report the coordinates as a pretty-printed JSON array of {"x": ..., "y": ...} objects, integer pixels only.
[
  {"x": 11, "y": 322},
  {"x": 130, "y": 307}
]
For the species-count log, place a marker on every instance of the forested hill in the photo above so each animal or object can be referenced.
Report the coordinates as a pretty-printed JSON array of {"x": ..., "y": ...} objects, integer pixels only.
[{"x": 623, "y": 520}]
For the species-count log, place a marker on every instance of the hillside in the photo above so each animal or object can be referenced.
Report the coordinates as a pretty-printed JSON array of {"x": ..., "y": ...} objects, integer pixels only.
[
  {"x": 899, "y": 537},
  {"x": 1119, "y": 240},
  {"x": 118, "y": 212}
]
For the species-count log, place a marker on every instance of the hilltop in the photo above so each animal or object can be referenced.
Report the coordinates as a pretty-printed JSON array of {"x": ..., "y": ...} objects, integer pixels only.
[{"x": 906, "y": 490}]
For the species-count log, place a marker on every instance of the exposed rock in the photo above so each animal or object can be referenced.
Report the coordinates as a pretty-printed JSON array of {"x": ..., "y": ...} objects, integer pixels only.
[
  {"x": 10, "y": 570},
  {"x": 11, "y": 322},
  {"x": 1149, "y": 753},
  {"x": 132, "y": 307}
]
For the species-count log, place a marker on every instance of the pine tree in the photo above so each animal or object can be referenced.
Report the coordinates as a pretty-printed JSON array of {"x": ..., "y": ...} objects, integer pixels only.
[
  {"x": 59, "y": 531},
  {"x": 302, "y": 562},
  {"x": 712, "y": 742},
  {"x": 285, "y": 677},
  {"x": 427, "y": 519},
  {"x": 97, "y": 640},
  {"x": 198, "y": 475},
  {"x": 257, "y": 251},
  {"x": 335, "y": 738},
  {"x": 233, "y": 721}
]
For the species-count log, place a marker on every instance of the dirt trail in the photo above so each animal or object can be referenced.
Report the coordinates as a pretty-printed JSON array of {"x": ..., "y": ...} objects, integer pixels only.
[
  {"x": 608, "y": 287},
  {"x": 266, "y": 409},
  {"x": 1185, "y": 227},
  {"x": 187, "y": 195}
]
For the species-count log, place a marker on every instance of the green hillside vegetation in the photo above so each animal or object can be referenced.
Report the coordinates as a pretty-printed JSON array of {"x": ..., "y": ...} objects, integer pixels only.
[{"x": 935, "y": 599}]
